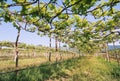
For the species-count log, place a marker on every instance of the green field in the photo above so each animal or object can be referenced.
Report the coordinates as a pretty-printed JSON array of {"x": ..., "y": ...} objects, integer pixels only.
[{"x": 76, "y": 69}]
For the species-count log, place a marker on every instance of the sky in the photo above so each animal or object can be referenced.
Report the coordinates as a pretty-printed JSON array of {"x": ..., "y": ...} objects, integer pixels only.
[{"x": 9, "y": 33}]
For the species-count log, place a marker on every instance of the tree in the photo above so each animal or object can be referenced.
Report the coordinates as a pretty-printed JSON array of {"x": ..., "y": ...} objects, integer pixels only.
[{"x": 68, "y": 17}]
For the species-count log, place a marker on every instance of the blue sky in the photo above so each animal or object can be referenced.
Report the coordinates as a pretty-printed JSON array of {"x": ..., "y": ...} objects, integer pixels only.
[{"x": 9, "y": 33}]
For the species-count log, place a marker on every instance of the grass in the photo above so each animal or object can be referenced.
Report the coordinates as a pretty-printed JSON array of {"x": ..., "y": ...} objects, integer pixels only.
[
  {"x": 8, "y": 65},
  {"x": 76, "y": 69},
  {"x": 29, "y": 57}
]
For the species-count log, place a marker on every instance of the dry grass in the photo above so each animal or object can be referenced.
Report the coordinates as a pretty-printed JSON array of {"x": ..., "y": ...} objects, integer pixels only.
[{"x": 8, "y": 65}]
